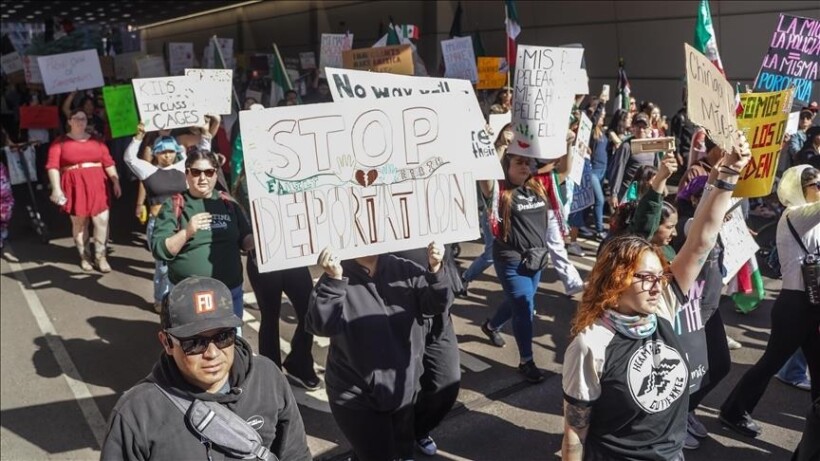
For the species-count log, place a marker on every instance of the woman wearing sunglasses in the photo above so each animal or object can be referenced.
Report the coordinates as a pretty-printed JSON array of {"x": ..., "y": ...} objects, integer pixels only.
[
  {"x": 202, "y": 231},
  {"x": 625, "y": 377}
]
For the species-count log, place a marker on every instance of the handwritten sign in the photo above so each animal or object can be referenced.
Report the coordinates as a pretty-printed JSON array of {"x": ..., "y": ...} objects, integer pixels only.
[
  {"x": 332, "y": 47},
  {"x": 793, "y": 58},
  {"x": 215, "y": 87},
  {"x": 362, "y": 176},
  {"x": 396, "y": 59},
  {"x": 167, "y": 102},
  {"x": 710, "y": 98},
  {"x": 180, "y": 57},
  {"x": 121, "y": 110},
  {"x": 67, "y": 72},
  {"x": 353, "y": 84},
  {"x": 307, "y": 60},
  {"x": 31, "y": 69},
  {"x": 492, "y": 73},
  {"x": 125, "y": 65},
  {"x": 738, "y": 244},
  {"x": 763, "y": 121},
  {"x": 579, "y": 149},
  {"x": 11, "y": 63},
  {"x": 39, "y": 117},
  {"x": 543, "y": 99},
  {"x": 459, "y": 58},
  {"x": 151, "y": 67},
  {"x": 583, "y": 196},
  {"x": 793, "y": 123},
  {"x": 211, "y": 60}
]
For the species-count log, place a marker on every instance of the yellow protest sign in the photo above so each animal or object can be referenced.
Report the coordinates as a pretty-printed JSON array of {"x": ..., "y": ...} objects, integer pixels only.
[
  {"x": 395, "y": 59},
  {"x": 763, "y": 121},
  {"x": 492, "y": 73}
]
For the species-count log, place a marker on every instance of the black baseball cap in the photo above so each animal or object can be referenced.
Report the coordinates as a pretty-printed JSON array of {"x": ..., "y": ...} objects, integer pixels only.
[{"x": 198, "y": 304}]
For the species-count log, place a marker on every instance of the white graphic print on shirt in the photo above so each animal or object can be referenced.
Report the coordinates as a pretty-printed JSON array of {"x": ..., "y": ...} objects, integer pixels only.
[{"x": 657, "y": 376}]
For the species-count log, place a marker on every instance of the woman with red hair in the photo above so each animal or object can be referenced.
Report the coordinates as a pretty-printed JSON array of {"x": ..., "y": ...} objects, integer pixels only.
[{"x": 625, "y": 377}]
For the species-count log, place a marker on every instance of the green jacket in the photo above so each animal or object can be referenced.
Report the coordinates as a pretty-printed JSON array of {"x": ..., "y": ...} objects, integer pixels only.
[
  {"x": 210, "y": 253},
  {"x": 647, "y": 220}
]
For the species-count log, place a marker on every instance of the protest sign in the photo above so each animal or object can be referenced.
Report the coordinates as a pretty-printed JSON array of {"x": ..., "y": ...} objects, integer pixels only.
[
  {"x": 584, "y": 131},
  {"x": 579, "y": 149},
  {"x": 330, "y": 53},
  {"x": 67, "y": 72},
  {"x": 39, "y": 117},
  {"x": 793, "y": 57},
  {"x": 710, "y": 98},
  {"x": 397, "y": 59},
  {"x": 167, "y": 102},
  {"x": 498, "y": 122},
  {"x": 18, "y": 170},
  {"x": 459, "y": 58},
  {"x": 307, "y": 60},
  {"x": 31, "y": 69},
  {"x": 353, "y": 84},
  {"x": 793, "y": 123},
  {"x": 492, "y": 73},
  {"x": 180, "y": 57},
  {"x": 542, "y": 100},
  {"x": 151, "y": 67},
  {"x": 253, "y": 94},
  {"x": 121, "y": 110},
  {"x": 738, "y": 244},
  {"x": 11, "y": 63},
  {"x": 363, "y": 177},
  {"x": 763, "y": 121},
  {"x": 125, "y": 65},
  {"x": 211, "y": 57},
  {"x": 576, "y": 170},
  {"x": 215, "y": 87},
  {"x": 583, "y": 196}
]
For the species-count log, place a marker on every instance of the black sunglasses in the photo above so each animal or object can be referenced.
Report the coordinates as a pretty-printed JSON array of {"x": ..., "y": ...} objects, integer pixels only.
[
  {"x": 199, "y": 344},
  {"x": 196, "y": 172}
]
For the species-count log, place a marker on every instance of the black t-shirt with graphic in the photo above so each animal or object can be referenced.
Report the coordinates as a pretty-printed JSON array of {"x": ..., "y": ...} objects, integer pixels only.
[{"x": 528, "y": 225}]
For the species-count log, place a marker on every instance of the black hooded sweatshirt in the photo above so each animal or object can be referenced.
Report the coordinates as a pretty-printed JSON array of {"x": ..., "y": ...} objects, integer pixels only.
[
  {"x": 145, "y": 425},
  {"x": 375, "y": 329}
]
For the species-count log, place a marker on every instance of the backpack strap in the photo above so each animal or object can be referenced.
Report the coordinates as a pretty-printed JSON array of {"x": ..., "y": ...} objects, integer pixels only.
[
  {"x": 181, "y": 403},
  {"x": 797, "y": 236}
]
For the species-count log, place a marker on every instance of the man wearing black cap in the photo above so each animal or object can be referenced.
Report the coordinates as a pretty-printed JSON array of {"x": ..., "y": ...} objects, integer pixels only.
[
  {"x": 624, "y": 164},
  {"x": 203, "y": 359}
]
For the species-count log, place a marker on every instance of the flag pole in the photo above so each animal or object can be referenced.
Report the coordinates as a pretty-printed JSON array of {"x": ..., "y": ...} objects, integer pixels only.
[
  {"x": 507, "y": 42},
  {"x": 215, "y": 43}
]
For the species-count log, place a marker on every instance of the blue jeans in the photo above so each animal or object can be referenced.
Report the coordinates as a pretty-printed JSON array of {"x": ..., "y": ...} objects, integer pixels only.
[
  {"x": 161, "y": 284},
  {"x": 519, "y": 287},
  {"x": 794, "y": 371},
  {"x": 485, "y": 259},
  {"x": 598, "y": 190}
]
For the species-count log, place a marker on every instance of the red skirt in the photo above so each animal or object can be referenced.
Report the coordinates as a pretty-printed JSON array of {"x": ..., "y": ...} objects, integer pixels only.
[{"x": 86, "y": 191}]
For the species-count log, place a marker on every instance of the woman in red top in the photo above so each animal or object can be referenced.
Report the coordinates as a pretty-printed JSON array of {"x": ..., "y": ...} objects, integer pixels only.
[{"x": 79, "y": 167}]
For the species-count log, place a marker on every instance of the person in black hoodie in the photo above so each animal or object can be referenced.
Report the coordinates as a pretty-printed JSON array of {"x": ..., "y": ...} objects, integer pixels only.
[
  {"x": 203, "y": 359},
  {"x": 372, "y": 309}
]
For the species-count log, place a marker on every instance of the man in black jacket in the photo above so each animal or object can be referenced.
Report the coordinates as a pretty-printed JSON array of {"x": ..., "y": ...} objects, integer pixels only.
[{"x": 203, "y": 359}]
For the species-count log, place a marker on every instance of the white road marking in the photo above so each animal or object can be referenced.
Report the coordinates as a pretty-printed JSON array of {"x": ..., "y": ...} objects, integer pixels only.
[{"x": 81, "y": 392}]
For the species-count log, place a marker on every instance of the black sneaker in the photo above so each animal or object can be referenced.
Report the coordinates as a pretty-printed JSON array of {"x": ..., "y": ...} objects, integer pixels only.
[
  {"x": 303, "y": 378},
  {"x": 464, "y": 284},
  {"x": 744, "y": 425},
  {"x": 531, "y": 372},
  {"x": 495, "y": 336}
]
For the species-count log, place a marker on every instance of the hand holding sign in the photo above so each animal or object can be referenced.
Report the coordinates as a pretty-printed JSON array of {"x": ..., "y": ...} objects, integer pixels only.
[
  {"x": 668, "y": 166},
  {"x": 435, "y": 255},
  {"x": 330, "y": 263}
]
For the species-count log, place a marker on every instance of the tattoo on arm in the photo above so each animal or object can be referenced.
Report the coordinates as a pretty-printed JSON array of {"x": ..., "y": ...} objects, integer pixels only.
[{"x": 578, "y": 417}]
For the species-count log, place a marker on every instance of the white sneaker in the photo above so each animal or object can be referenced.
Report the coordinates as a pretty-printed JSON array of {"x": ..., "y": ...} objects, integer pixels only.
[
  {"x": 575, "y": 249},
  {"x": 427, "y": 446},
  {"x": 733, "y": 345}
]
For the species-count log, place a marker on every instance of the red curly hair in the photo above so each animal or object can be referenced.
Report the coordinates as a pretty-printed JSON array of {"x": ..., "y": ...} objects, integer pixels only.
[{"x": 610, "y": 277}]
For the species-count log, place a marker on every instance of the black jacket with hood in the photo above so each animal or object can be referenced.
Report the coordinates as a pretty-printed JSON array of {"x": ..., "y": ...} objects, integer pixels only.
[
  {"x": 145, "y": 425},
  {"x": 375, "y": 329}
]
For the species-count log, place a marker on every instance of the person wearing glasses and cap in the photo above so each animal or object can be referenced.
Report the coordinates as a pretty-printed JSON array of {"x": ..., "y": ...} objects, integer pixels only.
[{"x": 202, "y": 358}]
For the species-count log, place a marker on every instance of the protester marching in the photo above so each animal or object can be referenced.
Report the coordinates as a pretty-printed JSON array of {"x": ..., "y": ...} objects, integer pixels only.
[{"x": 337, "y": 191}]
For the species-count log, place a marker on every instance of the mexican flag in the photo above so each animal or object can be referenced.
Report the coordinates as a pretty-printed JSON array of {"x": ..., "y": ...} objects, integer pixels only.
[
  {"x": 705, "y": 40},
  {"x": 624, "y": 90},
  {"x": 513, "y": 29},
  {"x": 750, "y": 290},
  {"x": 279, "y": 80}
]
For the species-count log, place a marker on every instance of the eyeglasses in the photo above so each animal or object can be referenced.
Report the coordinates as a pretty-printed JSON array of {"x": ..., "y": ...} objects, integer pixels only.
[
  {"x": 79, "y": 119},
  {"x": 196, "y": 172},
  {"x": 199, "y": 344},
  {"x": 649, "y": 281}
]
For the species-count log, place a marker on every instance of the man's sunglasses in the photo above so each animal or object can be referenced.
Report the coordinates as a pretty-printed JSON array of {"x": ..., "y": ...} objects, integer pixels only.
[
  {"x": 199, "y": 344},
  {"x": 196, "y": 172}
]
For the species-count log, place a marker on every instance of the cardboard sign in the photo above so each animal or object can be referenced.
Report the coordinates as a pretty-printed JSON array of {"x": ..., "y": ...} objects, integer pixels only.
[
  {"x": 180, "y": 57},
  {"x": 397, "y": 59},
  {"x": 39, "y": 117},
  {"x": 710, "y": 98},
  {"x": 738, "y": 244},
  {"x": 67, "y": 72},
  {"x": 352, "y": 84},
  {"x": 330, "y": 53},
  {"x": 168, "y": 102},
  {"x": 307, "y": 60},
  {"x": 492, "y": 73},
  {"x": 121, "y": 110},
  {"x": 763, "y": 121},
  {"x": 363, "y": 177},
  {"x": 11, "y": 63},
  {"x": 793, "y": 58},
  {"x": 543, "y": 98},
  {"x": 151, "y": 67},
  {"x": 31, "y": 69},
  {"x": 793, "y": 123},
  {"x": 652, "y": 145},
  {"x": 459, "y": 58},
  {"x": 125, "y": 65},
  {"x": 215, "y": 87}
]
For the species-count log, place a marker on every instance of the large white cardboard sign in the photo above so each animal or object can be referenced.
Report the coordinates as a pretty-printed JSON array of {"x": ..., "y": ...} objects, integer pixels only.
[
  {"x": 168, "y": 102},
  {"x": 363, "y": 177},
  {"x": 710, "y": 99},
  {"x": 459, "y": 58},
  {"x": 67, "y": 72},
  {"x": 348, "y": 84},
  {"x": 214, "y": 87},
  {"x": 545, "y": 87},
  {"x": 180, "y": 57}
]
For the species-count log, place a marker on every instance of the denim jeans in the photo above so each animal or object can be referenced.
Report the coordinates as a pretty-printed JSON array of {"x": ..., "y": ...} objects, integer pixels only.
[
  {"x": 794, "y": 371},
  {"x": 519, "y": 287},
  {"x": 485, "y": 259},
  {"x": 598, "y": 190},
  {"x": 161, "y": 284}
]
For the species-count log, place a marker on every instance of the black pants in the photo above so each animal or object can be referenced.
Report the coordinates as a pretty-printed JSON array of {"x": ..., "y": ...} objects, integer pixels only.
[
  {"x": 442, "y": 374},
  {"x": 376, "y": 436},
  {"x": 268, "y": 288},
  {"x": 794, "y": 324},
  {"x": 718, "y": 358}
]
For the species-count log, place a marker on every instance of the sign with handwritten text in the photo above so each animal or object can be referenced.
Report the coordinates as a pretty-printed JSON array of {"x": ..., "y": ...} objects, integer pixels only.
[
  {"x": 180, "y": 56},
  {"x": 492, "y": 73},
  {"x": 397, "y": 59},
  {"x": 738, "y": 244},
  {"x": 168, "y": 102},
  {"x": 459, "y": 58},
  {"x": 67, "y": 72},
  {"x": 215, "y": 86},
  {"x": 331, "y": 49},
  {"x": 710, "y": 98},
  {"x": 793, "y": 58}
]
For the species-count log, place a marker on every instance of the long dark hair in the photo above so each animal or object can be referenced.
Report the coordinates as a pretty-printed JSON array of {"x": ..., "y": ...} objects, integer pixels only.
[
  {"x": 618, "y": 122},
  {"x": 505, "y": 196}
]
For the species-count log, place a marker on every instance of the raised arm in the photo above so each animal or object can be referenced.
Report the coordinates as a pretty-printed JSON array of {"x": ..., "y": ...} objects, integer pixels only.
[
  {"x": 647, "y": 217},
  {"x": 141, "y": 168}
]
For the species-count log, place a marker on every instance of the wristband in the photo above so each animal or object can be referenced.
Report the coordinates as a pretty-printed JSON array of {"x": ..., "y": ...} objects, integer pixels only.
[
  {"x": 723, "y": 185},
  {"x": 731, "y": 171}
]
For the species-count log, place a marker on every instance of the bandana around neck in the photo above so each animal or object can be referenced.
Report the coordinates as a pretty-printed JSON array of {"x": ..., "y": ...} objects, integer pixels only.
[{"x": 631, "y": 326}]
